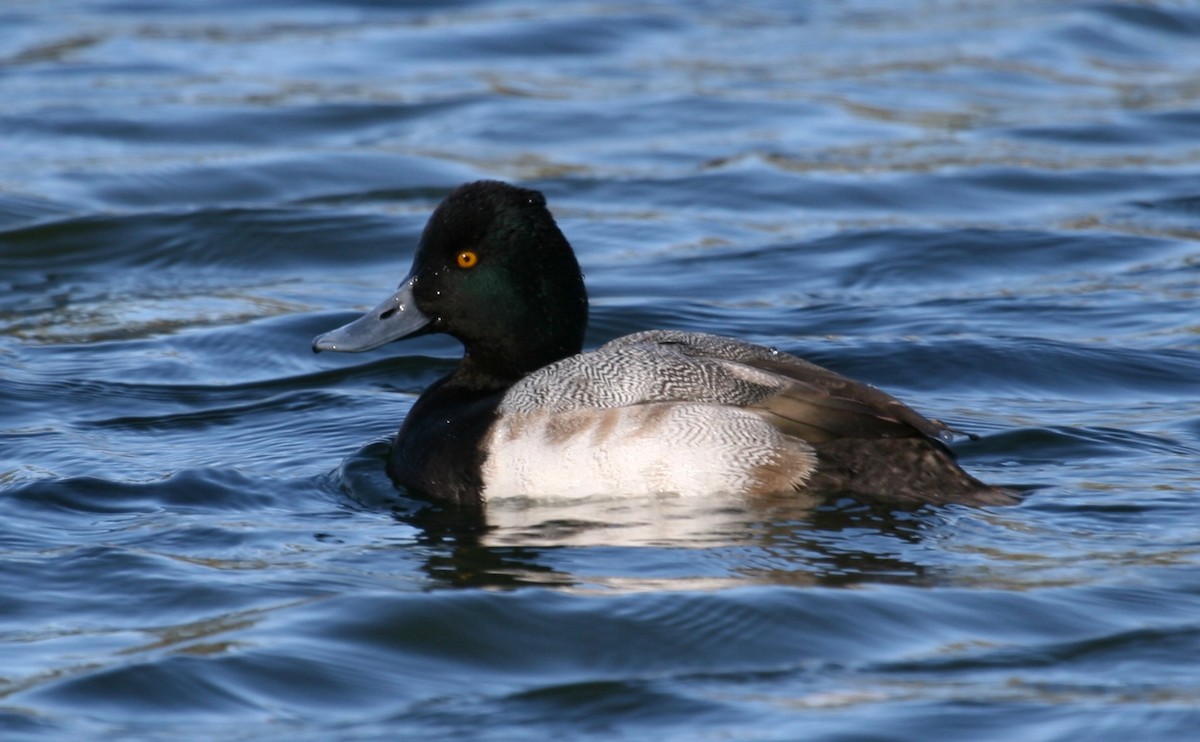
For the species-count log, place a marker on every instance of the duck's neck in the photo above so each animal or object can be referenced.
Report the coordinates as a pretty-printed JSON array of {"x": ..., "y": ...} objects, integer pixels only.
[
  {"x": 487, "y": 372},
  {"x": 503, "y": 358},
  {"x": 482, "y": 377}
]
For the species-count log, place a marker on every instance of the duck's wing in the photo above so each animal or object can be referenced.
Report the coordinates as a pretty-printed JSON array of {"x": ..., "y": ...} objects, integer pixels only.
[
  {"x": 801, "y": 398},
  {"x": 868, "y": 443}
]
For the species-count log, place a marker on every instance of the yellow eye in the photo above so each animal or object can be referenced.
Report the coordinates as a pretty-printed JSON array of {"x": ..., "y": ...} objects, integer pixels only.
[{"x": 467, "y": 259}]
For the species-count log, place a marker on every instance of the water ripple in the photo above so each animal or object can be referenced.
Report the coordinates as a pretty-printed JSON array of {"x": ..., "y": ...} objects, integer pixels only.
[{"x": 988, "y": 208}]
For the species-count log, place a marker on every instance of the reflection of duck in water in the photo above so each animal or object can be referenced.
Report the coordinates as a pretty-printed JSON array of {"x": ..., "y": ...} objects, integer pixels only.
[
  {"x": 646, "y": 542},
  {"x": 527, "y": 414},
  {"x": 643, "y": 543}
]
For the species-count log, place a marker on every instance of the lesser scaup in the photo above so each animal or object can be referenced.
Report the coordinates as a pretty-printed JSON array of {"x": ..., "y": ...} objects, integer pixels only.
[{"x": 526, "y": 413}]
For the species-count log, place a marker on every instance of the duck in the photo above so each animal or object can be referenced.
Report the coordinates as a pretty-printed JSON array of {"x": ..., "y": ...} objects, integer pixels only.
[{"x": 527, "y": 413}]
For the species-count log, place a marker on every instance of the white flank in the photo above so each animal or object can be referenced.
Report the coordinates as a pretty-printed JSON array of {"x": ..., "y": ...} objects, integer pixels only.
[{"x": 689, "y": 449}]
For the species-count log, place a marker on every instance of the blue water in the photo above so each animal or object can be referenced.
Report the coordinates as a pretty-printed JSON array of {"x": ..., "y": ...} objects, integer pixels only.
[{"x": 990, "y": 209}]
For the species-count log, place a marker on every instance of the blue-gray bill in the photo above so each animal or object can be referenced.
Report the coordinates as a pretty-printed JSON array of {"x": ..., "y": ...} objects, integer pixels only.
[{"x": 395, "y": 318}]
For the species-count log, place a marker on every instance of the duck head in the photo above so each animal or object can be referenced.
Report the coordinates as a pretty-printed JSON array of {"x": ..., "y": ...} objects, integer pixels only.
[{"x": 493, "y": 270}]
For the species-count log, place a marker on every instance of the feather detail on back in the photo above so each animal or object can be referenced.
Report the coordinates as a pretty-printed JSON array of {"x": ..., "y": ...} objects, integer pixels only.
[{"x": 800, "y": 398}]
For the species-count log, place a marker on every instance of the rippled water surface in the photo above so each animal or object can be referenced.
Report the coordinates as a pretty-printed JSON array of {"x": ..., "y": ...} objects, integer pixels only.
[{"x": 990, "y": 209}]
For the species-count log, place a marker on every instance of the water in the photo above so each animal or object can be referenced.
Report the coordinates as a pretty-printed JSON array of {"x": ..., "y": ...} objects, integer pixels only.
[{"x": 990, "y": 209}]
